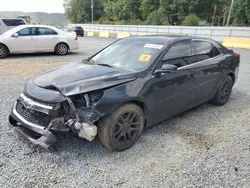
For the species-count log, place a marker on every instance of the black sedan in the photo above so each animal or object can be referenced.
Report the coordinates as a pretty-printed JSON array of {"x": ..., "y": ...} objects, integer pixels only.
[
  {"x": 129, "y": 85},
  {"x": 78, "y": 30}
]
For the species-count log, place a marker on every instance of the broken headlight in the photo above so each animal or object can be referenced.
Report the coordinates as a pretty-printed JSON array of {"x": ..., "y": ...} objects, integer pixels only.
[
  {"x": 88, "y": 99},
  {"x": 95, "y": 96}
]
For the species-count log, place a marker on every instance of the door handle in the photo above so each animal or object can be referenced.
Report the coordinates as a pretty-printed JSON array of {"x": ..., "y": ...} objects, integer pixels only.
[{"x": 191, "y": 75}]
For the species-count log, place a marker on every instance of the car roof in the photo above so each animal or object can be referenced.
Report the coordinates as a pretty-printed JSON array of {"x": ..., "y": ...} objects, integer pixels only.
[
  {"x": 170, "y": 37},
  {"x": 47, "y": 26},
  {"x": 11, "y": 18},
  {"x": 164, "y": 39}
]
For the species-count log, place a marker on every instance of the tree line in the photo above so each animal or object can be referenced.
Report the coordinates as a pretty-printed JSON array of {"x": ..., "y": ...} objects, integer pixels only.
[{"x": 159, "y": 12}]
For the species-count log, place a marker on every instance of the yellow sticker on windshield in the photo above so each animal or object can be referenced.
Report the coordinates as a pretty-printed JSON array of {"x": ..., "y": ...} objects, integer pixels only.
[{"x": 145, "y": 58}]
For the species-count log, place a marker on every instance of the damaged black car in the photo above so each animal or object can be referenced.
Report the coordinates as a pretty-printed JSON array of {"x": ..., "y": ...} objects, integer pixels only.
[{"x": 129, "y": 85}]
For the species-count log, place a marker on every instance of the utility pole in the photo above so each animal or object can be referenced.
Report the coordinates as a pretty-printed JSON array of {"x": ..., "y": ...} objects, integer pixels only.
[
  {"x": 230, "y": 10},
  {"x": 215, "y": 8},
  {"x": 92, "y": 8}
]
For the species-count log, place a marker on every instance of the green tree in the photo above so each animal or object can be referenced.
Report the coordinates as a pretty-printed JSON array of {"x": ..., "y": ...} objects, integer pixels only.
[
  {"x": 147, "y": 7},
  {"x": 241, "y": 11},
  {"x": 156, "y": 18},
  {"x": 158, "y": 12},
  {"x": 191, "y": 20},
  {"x": 79, "y": 11}
]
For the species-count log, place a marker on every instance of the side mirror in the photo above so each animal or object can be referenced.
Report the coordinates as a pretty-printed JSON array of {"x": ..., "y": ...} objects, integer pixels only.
[
  {"x": 166, "y": 68},
  {"x": 15, "y": 35}
]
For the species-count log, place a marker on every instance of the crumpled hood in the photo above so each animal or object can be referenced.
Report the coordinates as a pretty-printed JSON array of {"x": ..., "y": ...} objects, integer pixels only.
[{"x": 79, "y": 77}]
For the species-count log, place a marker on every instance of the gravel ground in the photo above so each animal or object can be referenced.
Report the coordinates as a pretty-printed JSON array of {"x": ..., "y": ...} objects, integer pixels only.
[{"x": 207, "y": 146}]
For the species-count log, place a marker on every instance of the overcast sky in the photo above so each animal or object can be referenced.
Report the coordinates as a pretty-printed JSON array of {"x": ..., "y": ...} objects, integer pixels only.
[{"x": 50, "y": 6}]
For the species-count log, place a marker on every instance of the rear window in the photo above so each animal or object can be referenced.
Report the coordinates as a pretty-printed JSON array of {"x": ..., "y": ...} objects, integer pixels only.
[
  {"x": 13, "y": 22},
  {"x": 79, "y": 28},
  {"x": 45, "y": 31}
]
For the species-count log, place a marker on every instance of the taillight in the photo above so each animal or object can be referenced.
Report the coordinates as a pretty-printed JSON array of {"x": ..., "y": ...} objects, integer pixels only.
[
  {"x": 76, "y": 37},
  {"x": 237, "y": 55}
]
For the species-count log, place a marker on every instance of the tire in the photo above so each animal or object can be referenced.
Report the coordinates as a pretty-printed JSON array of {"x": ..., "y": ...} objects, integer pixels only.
[
  {"x": 4, "y": 52},
  {"x": 120, "y": 130},
  {"x": 61, "y": 49},
  {"x": 223, "y": 92}
]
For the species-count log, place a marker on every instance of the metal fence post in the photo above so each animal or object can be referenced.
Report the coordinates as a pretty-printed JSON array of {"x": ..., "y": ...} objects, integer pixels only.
[{"x": 211, "y": 35}]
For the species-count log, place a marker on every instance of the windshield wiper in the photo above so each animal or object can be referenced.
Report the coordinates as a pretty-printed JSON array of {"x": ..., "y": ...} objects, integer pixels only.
[
  {"x": 91, "y": 61},
  {"x": 106, "y": 65}
]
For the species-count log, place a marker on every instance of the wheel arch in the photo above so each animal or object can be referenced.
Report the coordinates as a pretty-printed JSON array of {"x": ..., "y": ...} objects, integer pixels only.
[
  {"x": 139, "y": 103},
  {"x": 61, "y": 42},
  {"x": 232, "y": 75}
]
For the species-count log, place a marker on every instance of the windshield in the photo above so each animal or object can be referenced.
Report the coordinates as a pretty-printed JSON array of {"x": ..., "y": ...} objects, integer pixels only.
[{"x": 132, "y": 54}]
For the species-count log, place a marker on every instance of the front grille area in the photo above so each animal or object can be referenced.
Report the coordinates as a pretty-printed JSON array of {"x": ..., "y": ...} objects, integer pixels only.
[{"x": 32, "y": 116}]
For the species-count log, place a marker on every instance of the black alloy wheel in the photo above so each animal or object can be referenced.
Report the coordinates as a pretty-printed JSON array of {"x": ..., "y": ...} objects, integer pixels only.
[
  {"x": 120, "y": 130},
  {"x": 224, "y": 91},
  {"x": 127, "y": 127}
]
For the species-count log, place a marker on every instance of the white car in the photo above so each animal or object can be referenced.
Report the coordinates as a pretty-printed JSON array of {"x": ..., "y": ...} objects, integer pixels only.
[{"x": 37, "y": 38}]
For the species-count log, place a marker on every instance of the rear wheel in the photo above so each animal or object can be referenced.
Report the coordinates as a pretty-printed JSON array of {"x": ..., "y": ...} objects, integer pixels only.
[
  {"x": 62, "y": 49},
  {"x": 224, "y": 91},
  {"x": 120, "y": 130},
  {"x": 4, "y": 52}
]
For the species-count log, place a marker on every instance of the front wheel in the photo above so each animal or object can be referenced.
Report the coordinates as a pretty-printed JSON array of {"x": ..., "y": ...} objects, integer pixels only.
[
  {"x": 224, "y": 91},
  {"x": 61, "y": 49},
  {"x": 120, "y": 130}
]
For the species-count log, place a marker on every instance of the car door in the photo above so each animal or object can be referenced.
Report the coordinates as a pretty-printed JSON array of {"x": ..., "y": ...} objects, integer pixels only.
[
  {"x": 47, "y": 39},
  {"x": 25, "y": 42},
  {"x": 175, "y": 92},
  {"x": 208, "y": 64}
]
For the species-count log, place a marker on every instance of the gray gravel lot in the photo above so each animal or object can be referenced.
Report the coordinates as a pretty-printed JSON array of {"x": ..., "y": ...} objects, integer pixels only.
[{"x": 207, "y": 146}]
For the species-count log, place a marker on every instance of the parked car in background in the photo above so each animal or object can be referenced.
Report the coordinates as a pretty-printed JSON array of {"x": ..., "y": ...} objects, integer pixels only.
[
  {"x": 9, "y": 23},
  {"x": 37, "y": 38},
  {"x": 132, "y": 83},
  {"x": 78, "y": 30}
]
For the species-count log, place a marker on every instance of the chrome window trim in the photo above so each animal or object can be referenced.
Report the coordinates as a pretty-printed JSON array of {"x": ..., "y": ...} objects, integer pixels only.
[{"x": 194, "y": 64}]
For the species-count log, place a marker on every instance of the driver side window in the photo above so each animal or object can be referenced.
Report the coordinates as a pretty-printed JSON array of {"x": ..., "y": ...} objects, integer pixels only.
[{"x": 179, "y": 54}]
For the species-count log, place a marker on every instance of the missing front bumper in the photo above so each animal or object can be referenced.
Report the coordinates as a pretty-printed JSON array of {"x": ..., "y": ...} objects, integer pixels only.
[
  {"x": 40, "y": 135},
  {"x": 37, "y": 134},
  {"x": 44, "y": 138}
]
